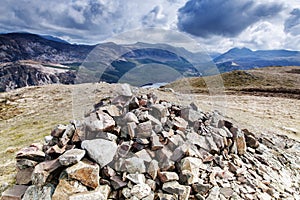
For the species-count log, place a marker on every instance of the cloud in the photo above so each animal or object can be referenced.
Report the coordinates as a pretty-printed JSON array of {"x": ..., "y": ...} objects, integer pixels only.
[
  {"x": 205, "y": 18},
  {"x": 88, "y": 21},
  {"x": 292, "y": 24}
]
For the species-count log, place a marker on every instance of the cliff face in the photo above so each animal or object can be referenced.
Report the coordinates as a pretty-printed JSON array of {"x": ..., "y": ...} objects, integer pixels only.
[{"x": 21, "y": 74}]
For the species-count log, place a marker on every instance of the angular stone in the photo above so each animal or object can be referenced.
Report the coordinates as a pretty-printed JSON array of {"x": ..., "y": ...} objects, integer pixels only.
[
  {"x": 144, "y": 130},
  {"x": 186, "y": 194},
  {"x": 180, "y": 123},
  {"x": 214, "y": 193},
  {"x": 227, "y": 192},
  {"x": 189, "y": 168},
  {"x": 167, "y": 176},
  {"x": 85, "y": 172},
  {"x": 42, "y": 171},
  {"x": 58, "y": 130},
  {"x": 131, "y": 117},
  {"x": 201, "y": 188},
  {"x": 136, "y": 178},
  {"x": 126, "y": 193},
  {"x": 102, "y": 151},
  {"x": 191, "y": 115},
  {"x": 66, "y": 188},
  {"x": 151, "y": 183},
  {"x": 112, "y": 110},
  {"x": 140, "y": 190},
  {"x": 153, "y": 169},
  {"x": 134, "y": 165},
  {"x": 144, "y": 155},
  {"x": 117, "y": 182},
  {"x": 131, "y": 126},
  {"x": 56, "y": 150},
  {"x": 240, "y": 143},
  {"x": 92, "y": 195},
  {"x": 173, "y": 187},
  {"x": 32, "y": 153},
  {"x": 23, "y": 176},
  {"x": 158, "y": 111},
  {"x": 25, "y": 163},
  {"x": 16, "y": 192},
  {"x": 198, "y": 140},
  {"x": 164, "y": 157},
  {"x": 162, "y": 196},
  {"x": 69, "y": 132},
  {"x": 71, "y": 157},
  {"x": 155, "y": 143},
  {"x": 251, "y": 141},
  {"x": 37, "y": 193},
  {"x": 211, "y": 144}
]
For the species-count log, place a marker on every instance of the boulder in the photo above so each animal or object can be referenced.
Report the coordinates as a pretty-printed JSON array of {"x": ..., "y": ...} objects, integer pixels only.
[
  {"x": 66, "y": 188},
  {"x": 34, "y": 192},
  {"x": 23, "y": 176},
  {"x": 167, "y": 176},
  {"x": 71, "y": 157},
  {"x": 16, "y": 192},
  {"x": 85, "y": 172},
  {"x": 102, "y": 151}
]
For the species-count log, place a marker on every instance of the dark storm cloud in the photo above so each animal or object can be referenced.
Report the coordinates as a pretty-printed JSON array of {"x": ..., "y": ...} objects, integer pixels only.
[
  {"x": 292, "y": 24},
  {"x": 226, "y": 18}
]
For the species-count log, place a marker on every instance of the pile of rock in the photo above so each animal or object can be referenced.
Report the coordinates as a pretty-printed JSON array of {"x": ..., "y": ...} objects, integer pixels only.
[{"x": 141, "y": 148}]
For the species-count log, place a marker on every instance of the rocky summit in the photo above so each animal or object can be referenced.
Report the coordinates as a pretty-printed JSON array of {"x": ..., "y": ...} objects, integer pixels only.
[{"x": 140, "y": 147}]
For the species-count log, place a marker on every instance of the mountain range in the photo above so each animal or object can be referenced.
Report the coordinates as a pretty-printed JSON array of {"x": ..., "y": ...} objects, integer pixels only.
[{"x": 22, "y": 55}]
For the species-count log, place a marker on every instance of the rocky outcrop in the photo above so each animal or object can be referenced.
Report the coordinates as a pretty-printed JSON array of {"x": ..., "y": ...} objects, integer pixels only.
[
  {"x": 28, "y": 73},
  {"x": 158, "y": 151}
]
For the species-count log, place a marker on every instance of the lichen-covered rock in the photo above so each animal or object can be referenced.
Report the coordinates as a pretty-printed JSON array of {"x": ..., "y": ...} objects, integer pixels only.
[{"x": 85, "y": 172}]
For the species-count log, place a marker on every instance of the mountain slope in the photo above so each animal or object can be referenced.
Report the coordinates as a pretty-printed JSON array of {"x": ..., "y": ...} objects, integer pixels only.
[
  {"x": 268, "y": 81},
  {"x": 244, "y": 58},
  {"x": 26, "y": 46}
]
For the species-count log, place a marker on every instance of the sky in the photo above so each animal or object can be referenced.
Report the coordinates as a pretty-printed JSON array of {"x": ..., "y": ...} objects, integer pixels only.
[{"x": 217, "y": 25}]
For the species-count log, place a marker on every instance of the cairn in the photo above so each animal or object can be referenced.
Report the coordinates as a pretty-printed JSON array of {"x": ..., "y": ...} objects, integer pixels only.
[{"x": 143, "y": 148}]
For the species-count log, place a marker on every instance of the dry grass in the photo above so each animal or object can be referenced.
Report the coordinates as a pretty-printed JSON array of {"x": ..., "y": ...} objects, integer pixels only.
[{"x": 266, "y": 81}]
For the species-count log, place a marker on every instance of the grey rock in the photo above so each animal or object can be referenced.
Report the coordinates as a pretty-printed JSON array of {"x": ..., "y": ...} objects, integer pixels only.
[
  {"x": 158, "y": 111},
  {"x": 131, "y": 117},
  {"x": 134, "y": 165},
  {"x": 227, "y": 192},
  {"x": 42, "y": 171},
  {"x": 70, "y": 157},
  {"x": 34, "y": 192},
  {"x": 180, "y": 123},
  {"x": 155, "y": 143},
  {"x": 58, "y": 130},
  {"x": 173, "y": 187},
  {"x": 25, "y": 163},
  {"x": 136, "y": 178},
  {"x": 140, "y": 190},
  {"x": 162, "y": 196},
  {"x": 14, "y": 193},
  {"x": 102, "y": 151},
  {"x": 152, "y": 169},
  {"x": 191, "y": 115},
  {"x": 214, "y": 193},
  {"x": 112, "y": 110},
  {"x": 32, "y": 153},
  {"x": 23, "y": 176},
  {"x": 117, "y": 183},
  {"x": 201, "y": 188},
  {"x": 144, "y": 130},
  {"x": 189, "y": 168},
  {"x": 144, "y": 155},
  {"x": 100, "y": 193}
]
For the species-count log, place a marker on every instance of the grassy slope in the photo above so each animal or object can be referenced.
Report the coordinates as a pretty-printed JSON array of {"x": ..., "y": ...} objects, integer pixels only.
[{"x": 278, "y": 81}]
